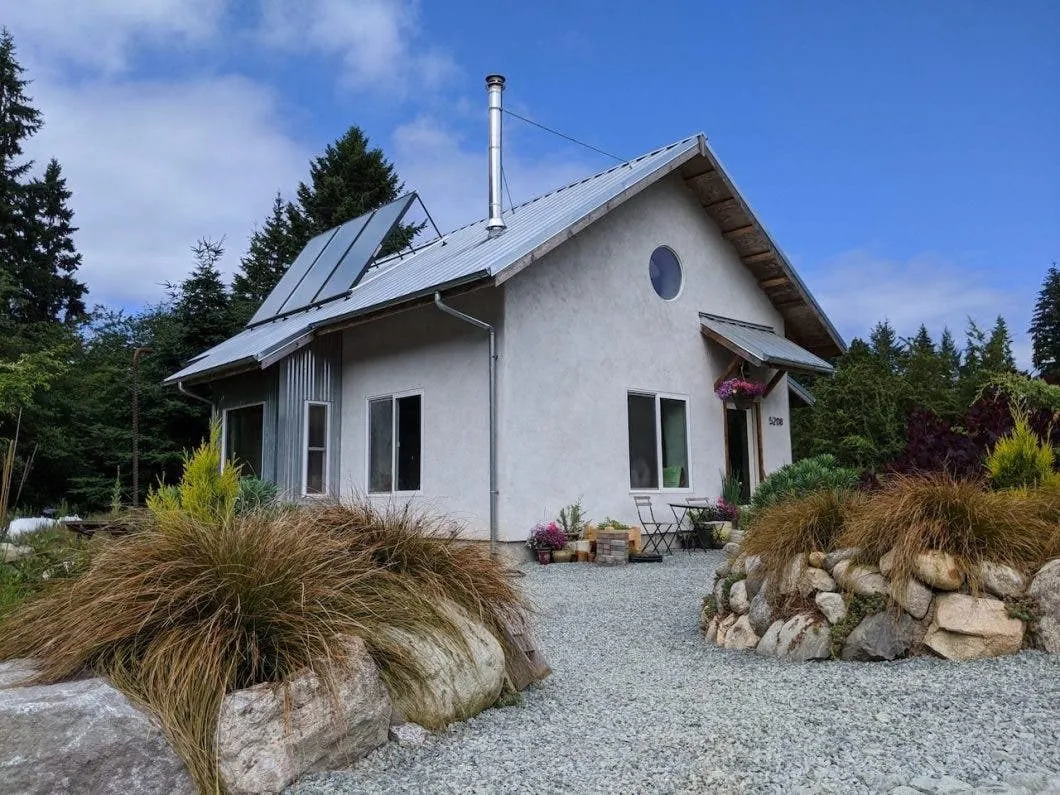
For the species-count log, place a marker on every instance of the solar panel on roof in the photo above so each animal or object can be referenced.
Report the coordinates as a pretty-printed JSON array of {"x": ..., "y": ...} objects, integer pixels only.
[
  {"x": 291, "y": 279},
  {"x": 333, "y": 262}
]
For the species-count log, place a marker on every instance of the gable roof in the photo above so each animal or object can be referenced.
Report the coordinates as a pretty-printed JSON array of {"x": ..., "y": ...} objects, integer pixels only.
[{"x": 468, "y": 256}]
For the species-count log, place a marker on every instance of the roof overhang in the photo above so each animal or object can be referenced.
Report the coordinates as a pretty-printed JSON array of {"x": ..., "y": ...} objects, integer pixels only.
[
  {"x": 761, "y": 346},
  {"x": 800, "y": 392}
]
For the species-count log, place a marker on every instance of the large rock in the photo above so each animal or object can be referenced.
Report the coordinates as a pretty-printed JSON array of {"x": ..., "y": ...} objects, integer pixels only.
[
  {"x": 269, "y": 735},
  {"x": 724, "y": 626},
  {"x": 817, "y": 559},
  {"x": 761, "y": 612},
  {"x": 1001, "y": 580},
  {"x": 879, "y": 637},
  {"x": 83, "y": 736},
  {"x": 862, "y": 580},
  {"x": 721, "y": 598},
  {"x": 459, "y": 682},
  {"x": 710, "y": 631},
  {"x": 886, "y": 563},
  {"x": 914, "y": 598},
  {"x": 738, "y": 598},
  {"x": 966, "y": 627},
  {"x": 813, "y": 579},
  {"x": 9, "y": 553},
  {"x": 17, "y": 673},
  {"x": 731, "y": 550},
  {"x": 767, "y": 646},
  {"x": 1045, "y": 591},
  {"x": 741, "y": 636},
  {"x": 832, "y": 558},
  {"x": 939, "y": 570},
  {"x": 803, "y": 637},
  {"x": 791, "y": 575},
  {"x": 755, "y": 570},
  {"x": 832, "y": 606}
]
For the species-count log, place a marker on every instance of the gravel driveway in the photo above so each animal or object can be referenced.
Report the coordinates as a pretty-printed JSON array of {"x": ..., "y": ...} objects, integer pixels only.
[{"x": 639, "y": 703}]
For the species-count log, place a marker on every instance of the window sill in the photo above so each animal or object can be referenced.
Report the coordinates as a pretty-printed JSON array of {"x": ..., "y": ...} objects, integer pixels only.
[
  {"x": 395, "y": 493},
  {"x": 664, "y": 490}
]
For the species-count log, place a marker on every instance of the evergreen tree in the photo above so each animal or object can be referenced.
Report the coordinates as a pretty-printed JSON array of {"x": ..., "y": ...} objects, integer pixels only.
[
  {"x": 997, "y": 352},
  {"x": 1045, "y": 328},
  {"x": 886, "y": 348},
  {"x": 53, "y": 290},
  {"x": 202, "y": 304},
  {"x": 950, "y": 355},
  {"x": 273, "y": 248}
]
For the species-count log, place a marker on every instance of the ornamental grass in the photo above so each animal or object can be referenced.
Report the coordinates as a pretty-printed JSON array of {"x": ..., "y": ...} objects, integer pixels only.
[{"x": 183, "y": 611}]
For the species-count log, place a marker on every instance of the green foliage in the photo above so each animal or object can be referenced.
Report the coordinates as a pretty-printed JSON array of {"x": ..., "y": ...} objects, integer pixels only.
[
  {"x": 1020, "y": 459},
  {"x": 710, "y": 608},
  {"x": 858, "y": 609},
  {"x": 255, "y": 494},
  {"x": 573, "y": 521},
  {"x": 56, "y": 555},
  {"x": 1045, "y": 328},
  {"x": 801, "y": 478},
  {"x": 207, "y": 492},
  {"x": 731, "y": 488},
  {"x": 1032, "y": 393},
  {"x": 612, "y": 525},
  {"x": 115, "y": 495}
]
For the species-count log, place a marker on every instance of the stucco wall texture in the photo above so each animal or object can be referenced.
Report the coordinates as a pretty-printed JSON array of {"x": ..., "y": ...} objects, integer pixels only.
[{"x": 577, "y": 330}]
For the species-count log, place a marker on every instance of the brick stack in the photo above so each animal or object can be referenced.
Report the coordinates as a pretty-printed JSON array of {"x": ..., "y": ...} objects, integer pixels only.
[{"x": 612, "y": 549}]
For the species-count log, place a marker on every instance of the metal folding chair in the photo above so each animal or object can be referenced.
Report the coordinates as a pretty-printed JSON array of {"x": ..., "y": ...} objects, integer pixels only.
[
  {"x": 654, "y": 530},
  {"x": 687, "y": 525}
]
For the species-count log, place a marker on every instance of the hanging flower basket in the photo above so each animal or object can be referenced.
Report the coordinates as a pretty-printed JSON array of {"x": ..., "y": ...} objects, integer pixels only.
[{"x": 741, "y": 392}]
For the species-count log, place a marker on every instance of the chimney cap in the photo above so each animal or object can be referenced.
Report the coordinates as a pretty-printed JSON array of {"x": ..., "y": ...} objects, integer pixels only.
[{"x": 495, "y": 80}]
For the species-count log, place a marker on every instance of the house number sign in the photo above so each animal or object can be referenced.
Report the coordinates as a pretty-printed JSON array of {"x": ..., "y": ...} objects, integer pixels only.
[{"x": 776, "y": 420}]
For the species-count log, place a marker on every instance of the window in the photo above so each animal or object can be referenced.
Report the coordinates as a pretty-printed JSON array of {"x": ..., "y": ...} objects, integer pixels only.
[
  {"x": 665, "y": 272},
  {"x": 658, "y": 441},
  {"x": 394, "y": 430},
  {"x": 316, "y": 449},
  {"x": 243, "y": 429}
]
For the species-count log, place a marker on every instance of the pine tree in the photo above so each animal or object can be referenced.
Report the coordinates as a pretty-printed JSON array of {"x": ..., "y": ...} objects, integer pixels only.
[
  {"x": 997, "y": 352},
  {"x": 1045, "y": 328},
  {"x": 55, "y": 292},
  {"x": 951, "y": 357},
  {"x": 273, "y": 248},
  {"x": 885, "y": 347},
  {"x": 202, "y": 304}
]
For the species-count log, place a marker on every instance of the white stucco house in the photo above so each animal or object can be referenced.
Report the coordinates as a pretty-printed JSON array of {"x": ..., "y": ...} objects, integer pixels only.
[{"x": 566, "y": 348}]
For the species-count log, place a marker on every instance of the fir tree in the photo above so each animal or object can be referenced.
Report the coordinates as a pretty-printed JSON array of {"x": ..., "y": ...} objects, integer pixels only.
[
  {"x": 886, "y": 348},
  {"x": 950, "y": 355},
  {"x": 997, "y": 352},
  {"x": 201, "y": 303},
  {"x": 56, "y": 293},
  {"x": 273, "y": 248},
  {"x": 1045, "y": 328}
]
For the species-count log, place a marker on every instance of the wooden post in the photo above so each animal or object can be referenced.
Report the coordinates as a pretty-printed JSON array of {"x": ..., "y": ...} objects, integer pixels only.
[{"x": 758, "y": 432}]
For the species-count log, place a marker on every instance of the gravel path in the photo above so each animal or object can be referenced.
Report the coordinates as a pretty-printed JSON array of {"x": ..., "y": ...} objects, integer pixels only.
[{"x": 639, "y": 703}]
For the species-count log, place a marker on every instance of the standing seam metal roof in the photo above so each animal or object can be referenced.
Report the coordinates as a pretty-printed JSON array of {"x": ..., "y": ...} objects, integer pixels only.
[{"x": 760, "y": 345}]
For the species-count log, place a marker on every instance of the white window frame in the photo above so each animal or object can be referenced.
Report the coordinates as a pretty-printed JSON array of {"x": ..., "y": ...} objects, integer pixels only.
[
  {"x": 224, "y": 431},
  {"x": 394, "y": 397},
  {"x": 660, "y": 396},
  {"x": 326, "y": 450}
]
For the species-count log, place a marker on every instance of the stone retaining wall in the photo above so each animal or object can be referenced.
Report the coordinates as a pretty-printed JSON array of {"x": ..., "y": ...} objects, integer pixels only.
[{"x": 830, "y": 605}]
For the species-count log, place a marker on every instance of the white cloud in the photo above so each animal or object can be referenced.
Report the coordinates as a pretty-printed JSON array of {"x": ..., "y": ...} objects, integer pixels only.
[
  {"x": 102, "y": 33},
  {"x": 155, "y": 166},
  {"x": 379, "y": 41}
]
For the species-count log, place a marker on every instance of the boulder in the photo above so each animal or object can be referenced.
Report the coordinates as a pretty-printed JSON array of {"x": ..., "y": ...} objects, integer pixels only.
[
  {"x": 741, "y": 636},
  {"x": 1045, "y": 591},
  {"x": 723, "y": 570},
  {"x": 832, "y": 606},
  {"x": 710, "y": 632},
  {"x": 726, "y": 624},
  {"x": 83, "y": 736},
  {"x": 967, "y": 627},
  {"x": 803, "y": 637},
  {"x": 731, "y": 550},
  {"x": 721, "y": 599},
  {"x": 9, "y": 553},
  {"x": 939, "y": 570},
  {"x": 835, "y": 557},
  {"x": 408, "y": 734},
  {"x": 738, "y": 598},
  {"x": 17, "y": 673},
  {"x": 817, "y": 559},
  {"x": 813, "y": 579},
  {"x": 767, "y": 646},
  {"x": 914, "y": 598},
  {"x": 887, "y": 563},
  {"x": 879, "y": 637},
  {"x": 459, "y": 682},
  {"x": 791, "y": 576},
  {"x": 761, "y": 612},
  {"x": 756, "y": 575},
  {"x": 862, "y": 580},
  {"x": 1001, "y": 580},
  {"x": 269, "y": 735}
]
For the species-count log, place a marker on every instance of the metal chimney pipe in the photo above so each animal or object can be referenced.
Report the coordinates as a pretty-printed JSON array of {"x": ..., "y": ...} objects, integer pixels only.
[{"x": 494, "y": 87}]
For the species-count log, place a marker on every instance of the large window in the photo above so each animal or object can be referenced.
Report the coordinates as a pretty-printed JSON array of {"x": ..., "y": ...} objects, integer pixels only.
[
  {"x": 658, "y": 441},
  {"x": 394, "y": 430},
  {"x": 243, "y": 428},
  {"x": 316, "y": 449}
]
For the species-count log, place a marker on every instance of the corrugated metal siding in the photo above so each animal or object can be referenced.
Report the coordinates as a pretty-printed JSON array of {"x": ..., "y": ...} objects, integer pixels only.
[
  {"x": 309, "y": 374},
  {"x": 242, "y": 390}
]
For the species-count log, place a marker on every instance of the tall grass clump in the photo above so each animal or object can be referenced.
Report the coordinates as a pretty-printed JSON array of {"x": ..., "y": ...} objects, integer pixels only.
[
  {"x": 802, "y": 478},
  {"x": 1020, "y": 459},
  {"x": 811, "y": 523},
  {"x": 194, "y": 605},
  {"x": 936, "y": 512}
]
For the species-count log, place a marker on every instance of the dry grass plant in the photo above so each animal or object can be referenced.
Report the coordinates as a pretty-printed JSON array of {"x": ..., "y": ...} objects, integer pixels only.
[
  {"x": 936, "y": 512},
  {"x": 183, "y": 611}
]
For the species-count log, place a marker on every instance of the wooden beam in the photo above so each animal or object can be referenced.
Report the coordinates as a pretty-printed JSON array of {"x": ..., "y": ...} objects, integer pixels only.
[
  {"x": 773, "y": 382},
  {"x": 718, "y": 202},
  {"x": 784, "y": 304},
  {"x": 765, "y": 284},
  {"x": 734, "y": 365},
  {"x": 761, "y": 256},
  {"x": 739, "y": 231},
  {"x": 707, "y": 172},
  {"x": 761, "y": 453}
]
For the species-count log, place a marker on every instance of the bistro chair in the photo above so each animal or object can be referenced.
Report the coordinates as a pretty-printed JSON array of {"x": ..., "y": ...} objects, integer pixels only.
[
  {"x": 691, "y": 529},
  {"x": 654, "y": 530}
]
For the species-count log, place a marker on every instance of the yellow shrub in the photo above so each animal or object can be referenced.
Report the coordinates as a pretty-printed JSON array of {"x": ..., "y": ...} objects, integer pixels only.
[
  {"x": 206, "y": 492},
  {"x": 1019, "y": 459}
]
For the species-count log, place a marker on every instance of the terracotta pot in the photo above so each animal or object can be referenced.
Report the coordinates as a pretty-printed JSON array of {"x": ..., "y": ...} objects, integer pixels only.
[
  {"x": 562, "y": 555},
  {"x": 544, "y": 556}
]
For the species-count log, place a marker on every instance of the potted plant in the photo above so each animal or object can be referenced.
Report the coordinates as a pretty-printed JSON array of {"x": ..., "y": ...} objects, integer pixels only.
[
  {"x": 741, "y": 392},
  {"x": 544, "y": 539}
]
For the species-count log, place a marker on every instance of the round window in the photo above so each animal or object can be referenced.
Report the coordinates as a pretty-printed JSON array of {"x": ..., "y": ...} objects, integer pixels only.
[{"x": 665, "y": 272}]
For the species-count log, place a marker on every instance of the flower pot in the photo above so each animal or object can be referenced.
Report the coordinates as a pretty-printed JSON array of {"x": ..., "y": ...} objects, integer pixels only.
[
  {"x": 562, "y": 556},
  {"x": 743, "y": 402},
  {"x": 544, "y": 556},
  {"x": 582, "y": 549}
]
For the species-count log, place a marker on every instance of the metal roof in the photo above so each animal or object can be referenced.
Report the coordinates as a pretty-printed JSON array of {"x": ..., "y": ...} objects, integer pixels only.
[
  {"x": 800, "y": 391},
  {"x": 760, "y": 345},
  {"x": 464, "y": 256}
]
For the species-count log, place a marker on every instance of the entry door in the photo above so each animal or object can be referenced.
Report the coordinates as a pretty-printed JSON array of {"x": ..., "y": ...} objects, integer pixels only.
[{"x": 739, "y": 438}]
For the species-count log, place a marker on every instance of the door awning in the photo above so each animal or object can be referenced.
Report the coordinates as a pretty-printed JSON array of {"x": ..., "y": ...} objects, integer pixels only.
[{"x": 760, "y": 345}]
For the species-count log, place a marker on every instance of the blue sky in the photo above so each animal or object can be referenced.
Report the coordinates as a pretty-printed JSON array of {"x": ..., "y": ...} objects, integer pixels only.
[{"x": 903, "y": 154}]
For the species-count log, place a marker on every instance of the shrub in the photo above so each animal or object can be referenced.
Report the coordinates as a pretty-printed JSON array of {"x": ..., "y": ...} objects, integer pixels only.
[
  {"x": 807, "y": 524},
  {"x": 801, "y": 478},
  {"x": 255, "y": 494},
  {"x": 572, "y": 521},
  {"x": 1020, "y": 459},
  {"x": 207, "y": 492},
  {"x": 914, "y": 514},
  {"x": 183, "y": 611},
  {"x": 547, "y": 536}
]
